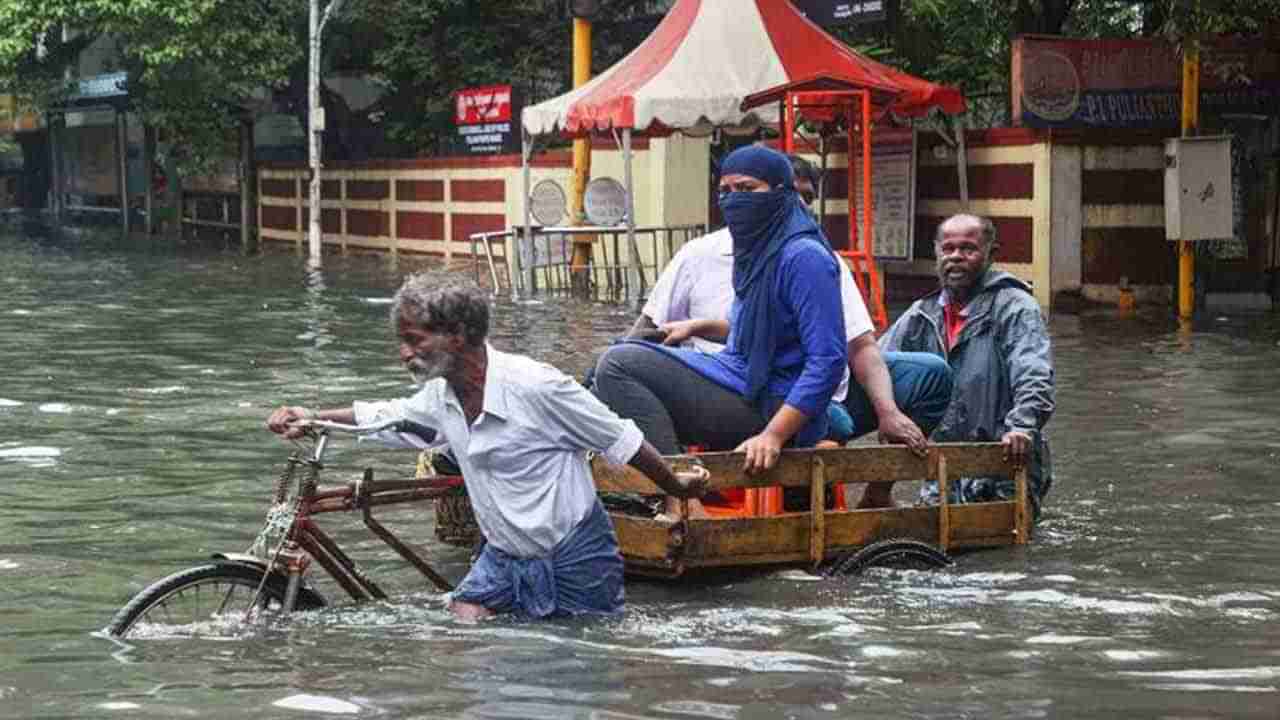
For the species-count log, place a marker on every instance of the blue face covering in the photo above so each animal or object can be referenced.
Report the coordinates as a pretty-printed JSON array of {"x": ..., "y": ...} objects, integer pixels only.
[
  {"x": 761, "y": 224},
  {"x": 751, "y": 216}
]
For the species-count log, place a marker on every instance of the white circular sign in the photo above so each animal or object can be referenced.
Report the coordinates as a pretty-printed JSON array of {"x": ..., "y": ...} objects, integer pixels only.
[
  {"x": 547, "y": 203},
  {"x": 605, "y": 201}
]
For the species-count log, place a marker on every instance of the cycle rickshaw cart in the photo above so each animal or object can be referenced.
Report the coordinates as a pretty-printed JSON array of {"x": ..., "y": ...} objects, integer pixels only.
[{"x": 274, "y": 576}]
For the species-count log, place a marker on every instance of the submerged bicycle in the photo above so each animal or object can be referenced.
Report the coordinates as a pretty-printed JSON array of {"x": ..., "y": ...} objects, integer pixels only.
[{"x": 271, "y": 577}]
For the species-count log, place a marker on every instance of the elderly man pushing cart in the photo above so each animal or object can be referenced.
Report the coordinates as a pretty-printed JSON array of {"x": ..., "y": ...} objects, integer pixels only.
[{"x": 520, "y": 431}]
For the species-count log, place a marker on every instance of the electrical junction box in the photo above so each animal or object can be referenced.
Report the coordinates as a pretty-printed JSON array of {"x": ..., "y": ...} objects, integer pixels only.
[{"x": 1197, "y": 188}]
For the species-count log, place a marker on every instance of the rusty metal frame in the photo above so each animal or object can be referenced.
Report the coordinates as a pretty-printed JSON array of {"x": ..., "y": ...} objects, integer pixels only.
[{"x": 306, "y": 536}]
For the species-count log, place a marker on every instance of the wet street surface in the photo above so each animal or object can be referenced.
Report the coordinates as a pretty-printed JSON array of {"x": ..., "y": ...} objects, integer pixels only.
[{"x": 136, "y": 378}]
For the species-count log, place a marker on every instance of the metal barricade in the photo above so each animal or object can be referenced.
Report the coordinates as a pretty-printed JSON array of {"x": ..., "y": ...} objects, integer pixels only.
[{"x": 546, "y": 259}]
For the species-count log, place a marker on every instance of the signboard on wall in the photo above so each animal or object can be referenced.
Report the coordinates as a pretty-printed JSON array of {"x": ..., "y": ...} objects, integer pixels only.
[
  {"x": 100, "y": 87},
  {"x": 483, "y": 116},
  {"x": 893, "y": 192},
  {"x": 1111, "y": 83}
]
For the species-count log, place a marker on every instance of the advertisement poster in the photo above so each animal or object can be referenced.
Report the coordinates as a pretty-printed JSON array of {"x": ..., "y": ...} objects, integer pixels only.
[
  {"x": 893, "y": 182},
  {"x": 484, "y": 117}
]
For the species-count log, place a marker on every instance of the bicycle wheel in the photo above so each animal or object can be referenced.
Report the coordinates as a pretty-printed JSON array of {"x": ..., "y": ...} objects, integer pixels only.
[
  {"x": 896, "y": 552},
  {"x": 186, "y": 602}
]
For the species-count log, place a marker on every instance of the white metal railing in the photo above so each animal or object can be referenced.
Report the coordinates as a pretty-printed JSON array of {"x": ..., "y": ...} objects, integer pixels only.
[{"x": 545, "y": 262}]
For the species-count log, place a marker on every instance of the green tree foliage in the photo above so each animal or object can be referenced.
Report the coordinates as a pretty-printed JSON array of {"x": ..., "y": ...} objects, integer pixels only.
[
  {"x": 428, "y": 49},
  {"x": 966, "y": 43},
  {"x": 195, "y": 67},
  {"x": 1182, "y": 19}
]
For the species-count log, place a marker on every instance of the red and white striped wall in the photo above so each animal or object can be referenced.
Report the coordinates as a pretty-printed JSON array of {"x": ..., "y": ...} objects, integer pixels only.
[
  {"x": 1075, "y": 212},
  {"x": 426, "y": 206}
]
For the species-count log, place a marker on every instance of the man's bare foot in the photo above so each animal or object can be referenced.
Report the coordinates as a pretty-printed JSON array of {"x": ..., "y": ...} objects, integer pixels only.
[
  {"x": 469, "y": 612},
  {"x": 876, "y": 496}
]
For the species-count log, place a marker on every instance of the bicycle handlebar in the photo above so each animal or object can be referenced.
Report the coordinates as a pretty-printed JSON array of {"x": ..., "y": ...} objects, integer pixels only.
[{"x": 401, "y": 425}]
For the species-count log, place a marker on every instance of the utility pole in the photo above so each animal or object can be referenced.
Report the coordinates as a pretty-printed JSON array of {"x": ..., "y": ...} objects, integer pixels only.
[
  {"x": 315, "y": 119},
  {"x": 1190, "y": 128},
  {"x": 583, "y": 11}
]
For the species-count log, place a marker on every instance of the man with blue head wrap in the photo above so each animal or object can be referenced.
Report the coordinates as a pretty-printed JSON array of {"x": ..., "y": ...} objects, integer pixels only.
[{"x": 785, "y": 352}]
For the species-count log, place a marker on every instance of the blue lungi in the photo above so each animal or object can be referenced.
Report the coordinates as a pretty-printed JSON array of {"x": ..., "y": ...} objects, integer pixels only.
[{"x": 582, "y": 575}]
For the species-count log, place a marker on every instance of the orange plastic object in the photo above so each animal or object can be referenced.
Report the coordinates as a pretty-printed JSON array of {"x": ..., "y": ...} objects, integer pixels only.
[{"x": 743, "y": 502}]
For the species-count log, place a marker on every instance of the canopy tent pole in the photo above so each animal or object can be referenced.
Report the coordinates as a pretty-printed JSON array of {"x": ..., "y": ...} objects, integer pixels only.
[
  {"x": 878, "y": 312},
  {"x": 516, "y": 267},
  {"x": 635, "y": 274}
]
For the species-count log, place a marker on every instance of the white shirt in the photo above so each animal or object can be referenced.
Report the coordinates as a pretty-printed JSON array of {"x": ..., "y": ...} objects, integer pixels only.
[
  {"x": 698, "y": 283},
  {"x": 524, "y": 458}
]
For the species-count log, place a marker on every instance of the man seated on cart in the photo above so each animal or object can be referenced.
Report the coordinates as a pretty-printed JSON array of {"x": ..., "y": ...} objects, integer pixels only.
[
  {"x": 989, "y": 327},
  {"x": 903, "y": 395},
  {"x": 521, "y": 431},
  {"x": 785, "y": 353}
]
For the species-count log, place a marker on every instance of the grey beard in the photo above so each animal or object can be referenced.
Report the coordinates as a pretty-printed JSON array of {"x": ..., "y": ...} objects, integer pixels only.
[{"x": 423, "y": 372}]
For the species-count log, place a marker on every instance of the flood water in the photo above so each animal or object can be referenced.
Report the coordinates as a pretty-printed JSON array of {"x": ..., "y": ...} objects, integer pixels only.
[{"x": 136, "y": 377}]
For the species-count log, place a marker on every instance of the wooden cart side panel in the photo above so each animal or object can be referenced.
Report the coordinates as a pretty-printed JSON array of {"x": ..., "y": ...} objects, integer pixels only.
[
  {"x": 984, "y": 520},
  {"x": 843, "y": 465},
  {"x": 785, "y": 538},
  {"x": 647, "y": 540}
]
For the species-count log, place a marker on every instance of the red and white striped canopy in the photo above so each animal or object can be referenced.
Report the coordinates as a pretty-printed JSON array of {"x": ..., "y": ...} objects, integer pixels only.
[{"x": 707, "y": 56}]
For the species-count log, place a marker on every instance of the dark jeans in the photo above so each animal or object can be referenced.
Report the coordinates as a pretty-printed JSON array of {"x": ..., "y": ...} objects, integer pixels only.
[
  {"x": 921, "y": 390},
  {"x": 672, "y": 404}
]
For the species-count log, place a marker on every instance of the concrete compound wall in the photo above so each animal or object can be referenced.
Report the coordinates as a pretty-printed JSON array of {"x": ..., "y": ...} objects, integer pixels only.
[
  {"x": 1123, "y": 236},
  {"x": 1075, "y": 212},
  {"x": 425, "y": 206},
  {"x": 431, "y": 206},
  {"x": 1009, "y": 176}
]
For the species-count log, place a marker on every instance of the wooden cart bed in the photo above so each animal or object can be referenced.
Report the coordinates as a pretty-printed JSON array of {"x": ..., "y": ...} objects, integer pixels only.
[{"x": 671, "y": 544}]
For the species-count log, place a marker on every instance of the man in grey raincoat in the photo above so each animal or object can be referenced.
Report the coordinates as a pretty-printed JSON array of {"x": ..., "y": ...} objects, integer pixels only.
[{"x": 989, "y": 327}]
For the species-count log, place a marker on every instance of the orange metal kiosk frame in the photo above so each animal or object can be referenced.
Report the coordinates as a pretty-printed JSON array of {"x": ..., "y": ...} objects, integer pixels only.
[{"x": 831, "y": 105}]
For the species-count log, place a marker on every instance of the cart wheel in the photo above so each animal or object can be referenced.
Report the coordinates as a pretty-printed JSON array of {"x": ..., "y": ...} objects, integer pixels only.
[{"x": 896, "y": 552}]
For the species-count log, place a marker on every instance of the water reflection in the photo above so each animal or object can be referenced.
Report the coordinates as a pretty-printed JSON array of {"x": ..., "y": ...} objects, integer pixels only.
[{"x": 137, "y": 378}]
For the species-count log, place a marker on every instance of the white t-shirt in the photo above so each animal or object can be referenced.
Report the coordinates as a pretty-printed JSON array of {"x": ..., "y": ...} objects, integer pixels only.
[{"x": 698, "y": 283}]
